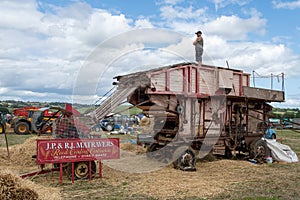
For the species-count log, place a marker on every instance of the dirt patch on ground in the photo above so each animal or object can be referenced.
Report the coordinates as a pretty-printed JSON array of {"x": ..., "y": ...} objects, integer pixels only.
[{"x": 210, "y": 179}]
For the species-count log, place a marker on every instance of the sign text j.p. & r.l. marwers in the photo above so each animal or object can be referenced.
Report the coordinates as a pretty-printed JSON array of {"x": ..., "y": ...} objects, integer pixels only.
[
  {"x": 77, "y": 145},
  {"x": 74, "y": 150}
]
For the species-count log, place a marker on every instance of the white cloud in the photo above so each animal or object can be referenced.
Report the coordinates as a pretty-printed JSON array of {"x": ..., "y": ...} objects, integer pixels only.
[
  {"x": 234, "y": 27},
  {"x": 46, "y": 54},
  {"x": 289, "y": 103},
  {"x": 42, "y": 52},
  {"x": 170, "y": 12},
  {"x": 183, "y": 19},
  {"x": 252, "y": 12},
  {"x": 143, "y": 23},
  {"x": 21, "y": 15},
  {"x": 171, "y": 2},
  {"x": 132, "y": 51},
  {"x": 265, "y": 58},
  {"x": 287, "y": 5},
  {"x": 223, "y": 3},
  {"x": 103, "y": 25}
]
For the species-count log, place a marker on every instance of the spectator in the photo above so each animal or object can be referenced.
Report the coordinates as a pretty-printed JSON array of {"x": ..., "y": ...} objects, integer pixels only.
[{"x": 198, "y": 43}]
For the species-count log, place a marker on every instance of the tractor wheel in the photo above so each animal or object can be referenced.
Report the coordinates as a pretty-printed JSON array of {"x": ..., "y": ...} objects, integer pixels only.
[
  {"x": 184, "y": 158},
  {"x": 22, "y": 128},
  {"x": 2, "y": 128},
  {"x": 259, "y": 150},
  {"x": 81, "y": 169}
]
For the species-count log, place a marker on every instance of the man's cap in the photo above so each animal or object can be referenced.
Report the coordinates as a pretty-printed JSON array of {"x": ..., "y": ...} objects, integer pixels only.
[{"x": 198, "y": 32}]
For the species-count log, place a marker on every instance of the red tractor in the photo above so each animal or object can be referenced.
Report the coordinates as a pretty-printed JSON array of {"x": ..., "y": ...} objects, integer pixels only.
[{"x": 30, "y": 119}]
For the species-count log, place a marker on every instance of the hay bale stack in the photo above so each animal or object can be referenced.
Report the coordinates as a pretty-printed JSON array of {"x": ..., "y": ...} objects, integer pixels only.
[
  {"x": 21, "y": 154},
  {"x": 11, "y": 188}
]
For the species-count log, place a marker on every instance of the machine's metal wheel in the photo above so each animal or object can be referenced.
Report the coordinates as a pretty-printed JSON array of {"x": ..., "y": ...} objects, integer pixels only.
[
  {"x": 109, "y": 127},
  {"x": 159, "y": 152},
  {"x": 259, "y": 150},
  {"x": 152, "y": 150},
  {"x": 228, "y": 153},
  {"x": 97, "y": 129},
  {"x": 81, "y": 169},
  {"x": 21, "y": 128},
  {"x": 184, "y": 158}
]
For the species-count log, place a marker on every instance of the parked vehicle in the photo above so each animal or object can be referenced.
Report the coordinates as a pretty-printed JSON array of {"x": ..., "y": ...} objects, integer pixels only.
[
  {"x": 116, "y": 122},
  {"x": 2, "y": 123},
  {"x": 287, "y": 125},
  {"x": 32, "y": 119},
  {"x": 270, "y": 133}
]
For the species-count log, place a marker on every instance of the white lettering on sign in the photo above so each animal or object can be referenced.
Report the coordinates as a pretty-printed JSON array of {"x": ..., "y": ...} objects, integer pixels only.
[{"x": 78, "y": 145}]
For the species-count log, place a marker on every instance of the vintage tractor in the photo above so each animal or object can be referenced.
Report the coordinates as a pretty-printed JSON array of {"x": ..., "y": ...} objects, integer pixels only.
[{"x": 32, "y": 119}]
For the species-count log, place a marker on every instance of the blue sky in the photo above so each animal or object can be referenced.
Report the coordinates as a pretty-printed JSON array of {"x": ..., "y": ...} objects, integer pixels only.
[{"x": 53, "y": 50}]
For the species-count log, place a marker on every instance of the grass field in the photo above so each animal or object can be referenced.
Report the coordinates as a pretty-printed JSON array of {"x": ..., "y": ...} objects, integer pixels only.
[
  {"x": 13, "y": 139},
  {"x": 216, "y": 179},
  {"x": 276, "y": 181}
]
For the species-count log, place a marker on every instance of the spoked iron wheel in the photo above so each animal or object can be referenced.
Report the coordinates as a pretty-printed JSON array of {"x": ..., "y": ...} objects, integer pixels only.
[
  {"x": 184, "y": 158},
  {"x": 259, "y": 151},
  {"x": 81, "y": 170}
]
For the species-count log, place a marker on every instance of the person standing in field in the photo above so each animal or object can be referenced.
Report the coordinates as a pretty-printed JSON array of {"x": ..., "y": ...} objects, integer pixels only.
[{"x": 198, "y": 43}]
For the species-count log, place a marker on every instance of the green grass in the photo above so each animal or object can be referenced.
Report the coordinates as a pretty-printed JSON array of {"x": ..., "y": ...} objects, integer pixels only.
[
  {"x": 127, "y": 109},
  {"x": 121, "y": 136},
  {"x": 273, "y": 182},
  {"x": 121, "y": 109},
  {"x": 290, "y": 134},
  {"x": 13, "y": 139}
]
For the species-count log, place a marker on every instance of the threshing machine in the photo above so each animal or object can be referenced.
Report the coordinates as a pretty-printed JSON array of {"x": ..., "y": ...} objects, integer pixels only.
[{"x": 197, "y": 110}]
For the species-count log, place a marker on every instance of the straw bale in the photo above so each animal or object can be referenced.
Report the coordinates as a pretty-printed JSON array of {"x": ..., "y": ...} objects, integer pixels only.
[
  {"x": 21, "y": 154},
  {"x": 146, "y": 124},
  {"x": 13, "y": 187},
  {"x": 126, "y": 146},
  {"x": 145, "y": 121},
  {"x": 45, "y": 193}
]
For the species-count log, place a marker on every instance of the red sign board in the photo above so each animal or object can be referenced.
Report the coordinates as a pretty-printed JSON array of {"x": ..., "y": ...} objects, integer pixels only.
[{"x": 75, "y": 150}]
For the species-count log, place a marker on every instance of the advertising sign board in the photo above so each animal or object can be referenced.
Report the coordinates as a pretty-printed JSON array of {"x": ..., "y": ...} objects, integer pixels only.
[{"x": 76, "y": 150}]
